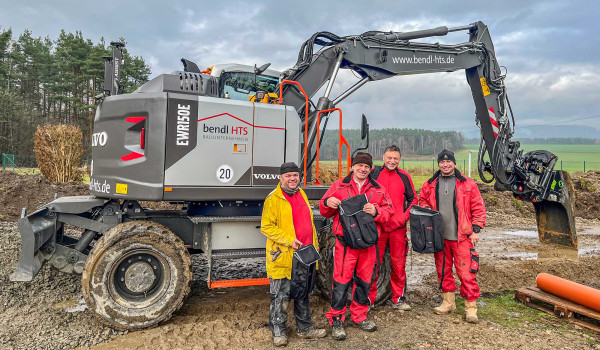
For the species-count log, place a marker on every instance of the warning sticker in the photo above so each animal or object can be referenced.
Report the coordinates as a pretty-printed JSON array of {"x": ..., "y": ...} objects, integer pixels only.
[
  {"x": 484, "y": 87},
  {"x": 121, "y": 188}
]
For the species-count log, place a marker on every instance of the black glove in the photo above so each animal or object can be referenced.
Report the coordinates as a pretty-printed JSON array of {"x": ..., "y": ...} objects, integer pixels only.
[{"x": 476, "y": 228}]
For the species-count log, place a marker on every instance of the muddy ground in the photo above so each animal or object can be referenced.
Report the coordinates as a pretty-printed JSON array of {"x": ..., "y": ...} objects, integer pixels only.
[{"x": 48, "y": 313}]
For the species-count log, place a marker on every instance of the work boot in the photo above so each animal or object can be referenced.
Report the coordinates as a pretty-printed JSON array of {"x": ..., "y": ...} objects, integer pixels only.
[
  {"x": 471, "y": 311},
  {"x": 367, "y": 325},
  {"x": 314, "y": 333},
  {"x": 400, "y": 305},
  {"x": 337, "y": 329},
  {"x": 447, "y": 305},
  {"x": 280, "y": 340}
]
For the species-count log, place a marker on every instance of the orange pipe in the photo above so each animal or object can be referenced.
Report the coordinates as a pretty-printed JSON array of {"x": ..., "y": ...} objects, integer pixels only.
[
  {"x": 305, "y": 119},
  {"x": 575, "y": 292}
]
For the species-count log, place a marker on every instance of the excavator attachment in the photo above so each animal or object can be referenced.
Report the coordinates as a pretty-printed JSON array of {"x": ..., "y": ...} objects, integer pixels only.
[{"x": 555, "y": 215}]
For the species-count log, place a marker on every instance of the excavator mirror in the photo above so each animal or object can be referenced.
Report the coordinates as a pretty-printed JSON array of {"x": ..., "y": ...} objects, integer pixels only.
[
  {"x": 261, "y": 69},
  {"x": 364, "y": 128}
]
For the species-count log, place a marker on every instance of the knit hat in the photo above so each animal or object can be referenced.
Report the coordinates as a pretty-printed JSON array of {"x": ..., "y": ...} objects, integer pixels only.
[
  {"x": 290, "y": 167},
  {"x": 363, "y": 158},
  {"x": 446, "y": 155}
]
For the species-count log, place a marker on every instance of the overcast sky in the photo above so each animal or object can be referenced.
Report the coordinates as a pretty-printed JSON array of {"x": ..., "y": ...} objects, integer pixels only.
[{"x": 550, "y": 48}]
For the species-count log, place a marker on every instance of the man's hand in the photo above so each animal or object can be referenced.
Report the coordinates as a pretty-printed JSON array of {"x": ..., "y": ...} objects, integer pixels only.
[
  {"x": 474, "y": 238},
  {"x": 296, "y": 244},
  {"x": 333, "y": 202},
  {"x": 369, "y": 208}
]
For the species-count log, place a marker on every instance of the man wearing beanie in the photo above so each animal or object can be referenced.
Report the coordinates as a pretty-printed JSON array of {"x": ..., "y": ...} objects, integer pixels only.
[
  {"x": 458, "y": 200},
  {"x": 287, "y": 221},
  {"x": 348, "y": 262}
]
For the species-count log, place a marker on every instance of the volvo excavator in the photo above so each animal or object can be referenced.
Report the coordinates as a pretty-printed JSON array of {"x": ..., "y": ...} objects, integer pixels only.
[{"x": 212, "y": 142}]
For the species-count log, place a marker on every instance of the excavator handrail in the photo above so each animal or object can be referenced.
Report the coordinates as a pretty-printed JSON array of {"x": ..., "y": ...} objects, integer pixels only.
[
  {"x": 305, "y": 120},
  {"x": 341, "y": 140}
]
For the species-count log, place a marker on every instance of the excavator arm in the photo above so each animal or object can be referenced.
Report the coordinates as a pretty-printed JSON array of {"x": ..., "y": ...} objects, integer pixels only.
[{"x": 379, "y": 55}]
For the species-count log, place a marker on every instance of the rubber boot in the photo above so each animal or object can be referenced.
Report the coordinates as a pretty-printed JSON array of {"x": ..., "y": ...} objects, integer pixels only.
[
  {"x": 471, "y": 312},
  {"x": 447, "y": 305}
]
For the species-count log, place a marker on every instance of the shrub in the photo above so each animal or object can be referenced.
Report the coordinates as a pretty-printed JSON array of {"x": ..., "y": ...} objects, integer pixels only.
[{"x": 58, "y": 150}]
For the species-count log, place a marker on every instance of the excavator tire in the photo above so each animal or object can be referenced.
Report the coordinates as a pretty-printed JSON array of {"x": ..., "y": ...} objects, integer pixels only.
[
  {"x": 324, "y": 279},
  {"x": 137, "y": 275}
]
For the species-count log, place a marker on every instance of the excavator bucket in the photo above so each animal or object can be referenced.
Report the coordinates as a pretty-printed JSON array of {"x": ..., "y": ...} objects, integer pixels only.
[{"x": 554, "y": 216}]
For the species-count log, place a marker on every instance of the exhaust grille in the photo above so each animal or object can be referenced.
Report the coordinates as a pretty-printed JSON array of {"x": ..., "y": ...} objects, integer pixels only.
[{"x": 190, "y": 81}]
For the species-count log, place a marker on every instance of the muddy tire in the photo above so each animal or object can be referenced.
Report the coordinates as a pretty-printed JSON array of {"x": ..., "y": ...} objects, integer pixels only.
[
  {"x": 137, "y": 275},
  {"x": 324, "y": 279}
]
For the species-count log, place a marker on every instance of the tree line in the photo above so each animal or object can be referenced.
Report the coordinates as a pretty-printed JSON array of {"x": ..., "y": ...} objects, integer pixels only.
[
  {"x": 45, "y": 81},
  {"x": 410, "y": 141},
  {"x": 547, "y": 141}
]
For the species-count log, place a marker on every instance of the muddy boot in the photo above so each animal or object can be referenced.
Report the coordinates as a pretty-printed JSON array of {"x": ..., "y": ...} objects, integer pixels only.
[
  {"x": 280, "y": 341},
  {"x": 313, "y": 334},
  {"x": 471, "y": 312},
  {"x": 400, "y": 305},
  {"x": 367, "y": 325},
  {"x": 447, "y": 305},
  {"x": 337, "y": 329}
]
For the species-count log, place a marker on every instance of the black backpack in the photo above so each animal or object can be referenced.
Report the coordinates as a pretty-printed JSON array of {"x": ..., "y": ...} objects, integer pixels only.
[
  {"x": 360, "y": 230},
  {"x": 426, "y": 230}
]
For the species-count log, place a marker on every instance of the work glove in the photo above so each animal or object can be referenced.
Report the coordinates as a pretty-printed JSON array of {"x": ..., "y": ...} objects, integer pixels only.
[{"x": 476, "y": 228}]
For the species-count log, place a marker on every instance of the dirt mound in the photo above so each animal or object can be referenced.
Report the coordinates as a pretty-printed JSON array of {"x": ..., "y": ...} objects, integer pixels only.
[
  {"x": 587, "y": 193},
  {"x": 30, "y": 191}
]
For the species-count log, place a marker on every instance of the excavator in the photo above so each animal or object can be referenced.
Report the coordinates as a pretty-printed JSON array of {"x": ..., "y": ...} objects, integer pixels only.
[{"x": 211, "y": 142}]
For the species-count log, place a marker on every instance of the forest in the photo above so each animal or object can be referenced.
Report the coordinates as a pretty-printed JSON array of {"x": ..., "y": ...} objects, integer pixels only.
[
  {"x": 410, "y": 141},
  {"x": 45, "y": 81}
]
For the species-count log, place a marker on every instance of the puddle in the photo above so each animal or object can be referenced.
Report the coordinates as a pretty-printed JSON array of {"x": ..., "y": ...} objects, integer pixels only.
[
  {"x": 524, "y": 245},
  {"x": 533, "y": 234}
]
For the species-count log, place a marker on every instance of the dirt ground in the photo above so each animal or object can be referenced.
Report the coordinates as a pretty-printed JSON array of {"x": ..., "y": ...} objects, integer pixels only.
[{"x": 49, "y": 313}]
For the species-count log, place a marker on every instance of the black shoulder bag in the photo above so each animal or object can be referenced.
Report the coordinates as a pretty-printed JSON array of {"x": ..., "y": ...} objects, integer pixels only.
[
  {"x": 360, "y": 230},
  {"x": 426, "y": 230},
  {"x": 304, "y": 265}
]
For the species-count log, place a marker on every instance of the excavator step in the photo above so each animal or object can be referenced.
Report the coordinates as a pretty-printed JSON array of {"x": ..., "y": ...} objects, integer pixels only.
[
  {"x": 557, "y": 306},
  {"x": 238, "y": 283}
]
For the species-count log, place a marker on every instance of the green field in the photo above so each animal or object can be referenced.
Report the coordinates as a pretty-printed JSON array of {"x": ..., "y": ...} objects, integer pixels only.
[{"x": 570, "y": 158}]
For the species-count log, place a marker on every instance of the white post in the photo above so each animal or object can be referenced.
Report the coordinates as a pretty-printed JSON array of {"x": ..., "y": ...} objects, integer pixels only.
[{"x": 470, "y": 162}]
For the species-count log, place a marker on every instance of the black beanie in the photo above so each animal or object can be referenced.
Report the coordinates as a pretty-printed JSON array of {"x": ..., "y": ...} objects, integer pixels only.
[
  {"x": 446, "y": 155},
  {"x": 290, "y": 167},
  {"x": 363, "y": 158}
]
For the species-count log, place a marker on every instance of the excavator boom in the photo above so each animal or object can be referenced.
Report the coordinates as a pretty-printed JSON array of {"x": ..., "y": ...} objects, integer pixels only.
[{"x": 378, "y": 55}]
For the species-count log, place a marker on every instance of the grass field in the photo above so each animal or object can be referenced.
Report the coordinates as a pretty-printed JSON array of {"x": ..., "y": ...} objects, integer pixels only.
[{"x": 570, "y": 158}]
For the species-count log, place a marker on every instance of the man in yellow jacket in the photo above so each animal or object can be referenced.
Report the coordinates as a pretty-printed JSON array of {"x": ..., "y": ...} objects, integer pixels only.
[{"x": 287, "y": 221}]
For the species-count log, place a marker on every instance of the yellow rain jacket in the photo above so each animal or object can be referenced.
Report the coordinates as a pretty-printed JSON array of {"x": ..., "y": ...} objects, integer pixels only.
[{"x": 278, "y": 225}]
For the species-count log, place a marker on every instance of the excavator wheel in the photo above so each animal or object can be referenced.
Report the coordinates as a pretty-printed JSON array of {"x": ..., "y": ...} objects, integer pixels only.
[
  {"x": 325, "y": 273},
  {"x": 137, "y": 275}
]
